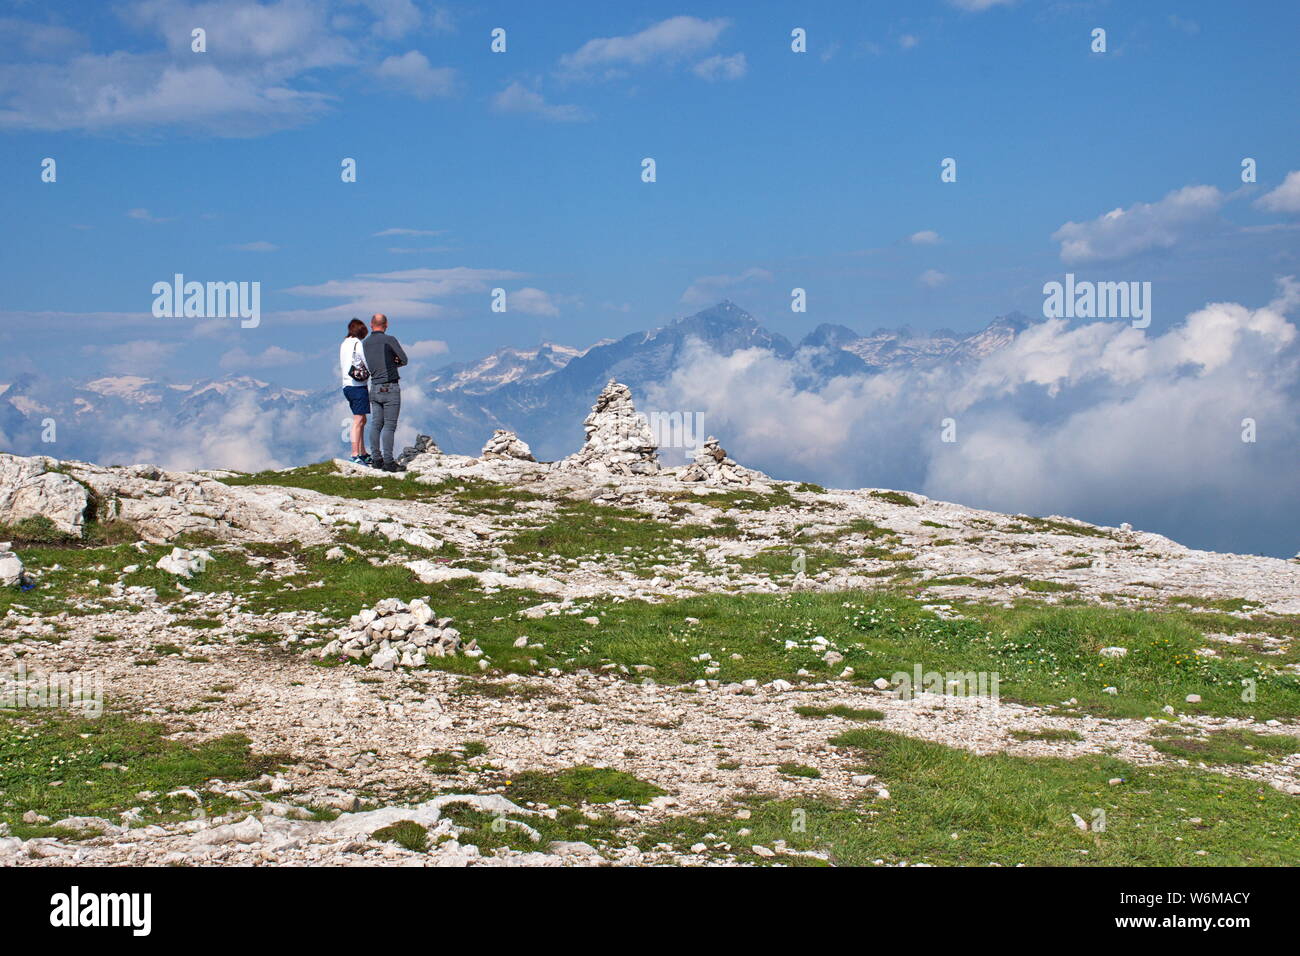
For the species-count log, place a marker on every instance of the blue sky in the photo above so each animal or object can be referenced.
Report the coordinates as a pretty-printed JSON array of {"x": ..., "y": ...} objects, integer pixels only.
[{"x": 522, "y": 170}]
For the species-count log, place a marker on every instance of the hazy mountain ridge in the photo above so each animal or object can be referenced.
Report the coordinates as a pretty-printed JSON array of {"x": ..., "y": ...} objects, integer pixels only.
[
  {"x": 543, "y": 393},
  {"x": 534, "y": 405}
]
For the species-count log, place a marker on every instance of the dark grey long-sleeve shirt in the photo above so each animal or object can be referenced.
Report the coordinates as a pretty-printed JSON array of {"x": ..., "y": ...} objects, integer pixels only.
[{"x": 383, "y": 356}]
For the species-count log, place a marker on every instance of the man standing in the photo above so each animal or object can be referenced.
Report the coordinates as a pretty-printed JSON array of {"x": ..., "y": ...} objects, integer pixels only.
[{"x": 383, "y": 357}]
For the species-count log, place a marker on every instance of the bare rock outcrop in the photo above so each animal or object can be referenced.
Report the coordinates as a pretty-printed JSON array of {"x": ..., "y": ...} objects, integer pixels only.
[
  {"x": 619, "y": 441},
  {"x": 160, "y": 505},
  {"x": 506, "y": 444},
  {"x": 712, "y": 466},
  {"x": 31, "y": 487}
]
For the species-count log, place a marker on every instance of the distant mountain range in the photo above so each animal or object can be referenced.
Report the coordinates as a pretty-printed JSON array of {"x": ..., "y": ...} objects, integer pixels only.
[
  {"x": 542, "y": 393},
  {"x": 545, "y": 393}
]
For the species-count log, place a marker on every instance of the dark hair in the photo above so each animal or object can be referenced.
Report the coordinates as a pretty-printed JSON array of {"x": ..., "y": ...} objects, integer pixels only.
[{"x": 357, "y": 329}]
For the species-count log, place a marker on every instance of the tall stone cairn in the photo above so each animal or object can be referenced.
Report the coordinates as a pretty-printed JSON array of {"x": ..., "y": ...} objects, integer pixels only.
[{"x": 619, "y": 441}]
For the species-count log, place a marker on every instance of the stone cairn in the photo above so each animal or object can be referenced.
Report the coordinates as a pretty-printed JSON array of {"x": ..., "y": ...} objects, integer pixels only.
[
  {"x": 619, "y": 441},
  {"x": 395, "y": 634},
  {"x": 506, "y": 444},
  {"x": 424, "y": 445},
  {"x": 713, "y": 467}
]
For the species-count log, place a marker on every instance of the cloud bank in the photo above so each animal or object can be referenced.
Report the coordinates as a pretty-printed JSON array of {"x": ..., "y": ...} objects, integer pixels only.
[{"x": 1097, "y": 421}]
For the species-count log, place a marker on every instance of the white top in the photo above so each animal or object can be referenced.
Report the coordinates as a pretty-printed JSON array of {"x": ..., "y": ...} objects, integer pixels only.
[{"x": 350, "y": 354}]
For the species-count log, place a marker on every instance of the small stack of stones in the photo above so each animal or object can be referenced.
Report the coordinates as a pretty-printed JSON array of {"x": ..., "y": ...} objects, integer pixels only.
[
  {"x": 506, "y": 444},
  {"x": 424, "y": 445},
  {"x": 713, "y": 467},
  {"x": 396, "y": 634}
]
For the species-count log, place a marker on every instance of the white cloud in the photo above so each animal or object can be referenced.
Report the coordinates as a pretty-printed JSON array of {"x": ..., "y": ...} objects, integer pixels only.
[
  {"x": 979, "y": 6},
  {"x": 932, "y": 278},
  {"x": 144, "y": 215},
  {"x": 1285, "y": 198},
  {"x": 268, "y": 66},
  {"x": 399, "y": 231},
  {"x": 426, "y": 348},
  {"x": 412, "y": 73},
  {"x": 405, "y": 294},
  {"x": 719, "y": 67},
  {"x": 138, "y": 358},
  {"x": 442, "y": 20},
  {"x": 40, "y": 40},
  {"x": 261, "y": 245},
  {"x": 531, "y": 302},
  {"x": 1142, "y": 227},
  {"x": 272, "y": 357},
  {"x": 706, "y": 289},
  {"x": 394, "y": 19},
  {"x": 1100, "y": 421},
  {"x": 517, "y": 98},
  {"x": 926, "y": 237},
  {"x": 95, "y": 92},
  {"x": 666, "y": 41},
  {"x": 908, "y": 41}
]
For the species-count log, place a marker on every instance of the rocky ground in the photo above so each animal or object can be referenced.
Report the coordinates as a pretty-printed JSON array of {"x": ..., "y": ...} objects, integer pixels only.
[{"x": 563, "y": 648}]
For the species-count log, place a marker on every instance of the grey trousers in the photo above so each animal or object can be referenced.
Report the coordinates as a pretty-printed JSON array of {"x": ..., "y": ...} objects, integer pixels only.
[{"x": 385, "y": 406}]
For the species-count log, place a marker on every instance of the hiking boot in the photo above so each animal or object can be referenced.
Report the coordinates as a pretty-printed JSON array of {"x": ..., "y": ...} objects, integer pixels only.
[
  {"x": 357, "y": 460},
  {"x": 365, "y": 459},
  {"x": 393, "y": 466}
]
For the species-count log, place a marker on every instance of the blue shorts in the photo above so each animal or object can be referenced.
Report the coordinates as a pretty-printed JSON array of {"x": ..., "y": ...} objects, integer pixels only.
[{"x": 358, "y": 397}]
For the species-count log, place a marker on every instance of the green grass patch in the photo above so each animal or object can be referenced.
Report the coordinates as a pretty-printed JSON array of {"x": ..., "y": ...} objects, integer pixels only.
[
  {"x": 405, "y": 833},
  {"x": 799, "y": 770},
  {"x": 62, "y": 766},
  {"x": 895, "y": 498},
  {"x": 841, "y": 710},
  {"x": 1230, "y": 746},
  {"x": 578, "y": 785},
  {"x": 584, "y": 530},
  {"x": 1025, "y": 525}
]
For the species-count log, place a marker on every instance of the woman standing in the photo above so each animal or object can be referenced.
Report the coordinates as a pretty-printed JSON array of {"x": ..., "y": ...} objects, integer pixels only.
[{"x": 353, "y": 365}]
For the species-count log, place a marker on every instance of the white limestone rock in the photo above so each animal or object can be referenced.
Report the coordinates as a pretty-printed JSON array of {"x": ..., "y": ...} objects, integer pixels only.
[
  {"x": 160, "y": 505},
  {"x": 29, "y": 488},
  {"x": 11, "y": 569},
  {"x": 183, "y": 563}
]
